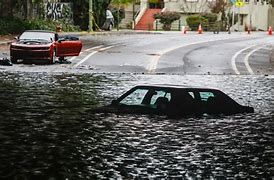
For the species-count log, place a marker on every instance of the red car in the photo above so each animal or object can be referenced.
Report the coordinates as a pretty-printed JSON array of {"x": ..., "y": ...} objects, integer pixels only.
[{"x": 44, "y": 45}]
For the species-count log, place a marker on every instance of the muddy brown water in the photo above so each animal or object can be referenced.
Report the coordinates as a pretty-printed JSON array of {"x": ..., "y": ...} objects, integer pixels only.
[{"x": 47, "y": 131}]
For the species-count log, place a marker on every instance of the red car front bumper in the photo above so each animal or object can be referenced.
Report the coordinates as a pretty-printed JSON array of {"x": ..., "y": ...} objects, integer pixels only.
[{"x": 30, "y": 53}]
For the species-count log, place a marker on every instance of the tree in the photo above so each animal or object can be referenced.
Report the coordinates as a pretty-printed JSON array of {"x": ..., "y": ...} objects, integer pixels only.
[
  {"x": 81, "y": 12},
  {"x": 27, "y": 7},
  {"x": 271, "y": 2},
  {"x": 121, "y": 2},
  {"x": 118, "y": 4},
  {"x": 220, "y": 6},
  {"x": 194, "y": 7},
  {"x": 6, "y": 7},
  {"x": 99, "y": 9},
  {"x": 193, "y": 21}
]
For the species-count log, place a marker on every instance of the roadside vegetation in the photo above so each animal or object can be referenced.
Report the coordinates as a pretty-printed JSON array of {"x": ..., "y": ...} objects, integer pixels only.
[
  {"x": 16, "y": 25},
  {"x": 167, "y": 18},
  {"x": 17, "y": 15},
  {"x": 207, "y": 20}
]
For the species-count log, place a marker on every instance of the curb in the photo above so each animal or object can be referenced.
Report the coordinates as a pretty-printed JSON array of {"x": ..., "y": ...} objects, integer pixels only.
[
  {"x": 97, "y": 33},
  {"x": 103, "y": 33},
  {"x": 272, "y": 57},
  {"x": 5, "y": 43}
]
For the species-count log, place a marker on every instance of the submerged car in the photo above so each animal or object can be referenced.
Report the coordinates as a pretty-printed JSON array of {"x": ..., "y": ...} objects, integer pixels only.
[
  {"x": 44, "y": 45},
  {"x": 174, "y": 100}
]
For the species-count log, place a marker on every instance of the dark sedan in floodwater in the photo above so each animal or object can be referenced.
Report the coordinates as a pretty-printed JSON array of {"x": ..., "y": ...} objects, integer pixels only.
[
  {"x": 44, "y": 45},
  {"x": 175, "y": 100}
]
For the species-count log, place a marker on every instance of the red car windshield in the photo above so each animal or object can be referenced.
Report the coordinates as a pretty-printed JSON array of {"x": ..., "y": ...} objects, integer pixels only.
[{"x": 37, "y": 36}]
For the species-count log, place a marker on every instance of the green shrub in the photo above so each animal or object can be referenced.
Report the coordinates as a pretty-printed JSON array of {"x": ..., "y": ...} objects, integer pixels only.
[
  {"x": 167, "y": 18},
  {"x": 211, "y": 17},
  {"x": 12, "y": 26},
  {"x": 212, "y": 24},
  {"x": 42, "y": 24},
  {"x": 153, "y": 1},
  {"x": 17, "y": 26},
  {"x": 193, "y": 21}
]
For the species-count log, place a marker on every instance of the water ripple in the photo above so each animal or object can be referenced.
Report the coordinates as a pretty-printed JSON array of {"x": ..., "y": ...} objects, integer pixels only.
[{"x": 47, "y": 132}]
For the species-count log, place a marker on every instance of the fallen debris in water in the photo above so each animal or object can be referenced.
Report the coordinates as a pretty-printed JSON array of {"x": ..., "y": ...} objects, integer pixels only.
[
  {"x": 5, "y": 62},
  {"x": 63, "y": 61}
]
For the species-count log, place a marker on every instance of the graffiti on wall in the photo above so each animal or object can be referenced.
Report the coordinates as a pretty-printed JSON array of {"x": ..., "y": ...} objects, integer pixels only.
[{"x": 57, "y": 11}]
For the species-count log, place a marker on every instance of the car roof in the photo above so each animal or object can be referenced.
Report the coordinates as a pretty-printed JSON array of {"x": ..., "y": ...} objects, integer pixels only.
[
  {"x": 174, "y": 86},
  {"x": 43, "y": 31}
]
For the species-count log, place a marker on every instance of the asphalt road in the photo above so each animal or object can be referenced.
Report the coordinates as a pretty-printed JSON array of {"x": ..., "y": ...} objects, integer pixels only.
[{"x": 169, "y": 53}]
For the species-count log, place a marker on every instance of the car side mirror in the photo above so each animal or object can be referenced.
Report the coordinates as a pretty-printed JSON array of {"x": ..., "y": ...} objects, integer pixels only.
[{"x": 16, "y": 38}]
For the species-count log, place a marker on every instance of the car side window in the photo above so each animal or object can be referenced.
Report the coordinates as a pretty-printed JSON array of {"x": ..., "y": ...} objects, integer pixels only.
[
  {"x": 191, "y": 94},
  {"x": 135, "y": 98},
  {"x": 205, "y": 95},
  {"x": 158, "y": 94}
]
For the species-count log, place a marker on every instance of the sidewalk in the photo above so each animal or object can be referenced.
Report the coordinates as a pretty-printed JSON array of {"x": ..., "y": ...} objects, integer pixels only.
[
  {"x": 113, "y": 32},
  {"x": 6, "y": 39}
]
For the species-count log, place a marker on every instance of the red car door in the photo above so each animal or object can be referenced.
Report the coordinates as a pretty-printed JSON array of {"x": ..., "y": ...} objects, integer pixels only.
[{"x": 68, "y": 47}]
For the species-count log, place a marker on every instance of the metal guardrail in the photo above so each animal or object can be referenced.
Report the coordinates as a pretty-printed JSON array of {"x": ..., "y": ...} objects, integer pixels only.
[
  {"x": 177, "y": 26},
  {"x": 136, "y": 14}
]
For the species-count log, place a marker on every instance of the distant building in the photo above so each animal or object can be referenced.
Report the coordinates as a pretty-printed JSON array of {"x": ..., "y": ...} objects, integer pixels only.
[{"x": 257, "y": 13}]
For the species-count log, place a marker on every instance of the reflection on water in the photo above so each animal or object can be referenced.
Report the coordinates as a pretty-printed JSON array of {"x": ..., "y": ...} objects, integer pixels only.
[{"x": 47, "y": 132}]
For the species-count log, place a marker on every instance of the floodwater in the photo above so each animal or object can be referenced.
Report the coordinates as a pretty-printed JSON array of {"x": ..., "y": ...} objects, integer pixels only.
[{"x": 47, "y": 131}]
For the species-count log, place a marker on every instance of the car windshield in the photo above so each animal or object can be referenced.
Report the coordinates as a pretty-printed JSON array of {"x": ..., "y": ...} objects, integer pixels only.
[
  {"x": 145, "y": 97},
  {"x": 135, "y": 98},
  {"x": 42, "y": 36}
]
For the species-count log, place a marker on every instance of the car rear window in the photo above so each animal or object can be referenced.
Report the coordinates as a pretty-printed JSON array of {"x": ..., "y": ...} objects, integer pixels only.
[{"x": 205, "y": 95}]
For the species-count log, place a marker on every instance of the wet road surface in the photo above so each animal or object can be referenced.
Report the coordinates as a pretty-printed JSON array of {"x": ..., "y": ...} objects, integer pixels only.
[
  {"x": 231, "y": 56},
  {"x": 169, "y": 53},
  {"x": 48, "y": 132}
]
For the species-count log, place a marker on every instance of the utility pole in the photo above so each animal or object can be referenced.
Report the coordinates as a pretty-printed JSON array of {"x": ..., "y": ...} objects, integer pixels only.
[
  {"x": 233, "y": 15},
  {"x": 133, "y": 13},
  {"x": 90, "y": 12},
  {"x": 239, "y": 18},
  {"x": 250, "y": 16},
  {"x": 118, "y": 15}
]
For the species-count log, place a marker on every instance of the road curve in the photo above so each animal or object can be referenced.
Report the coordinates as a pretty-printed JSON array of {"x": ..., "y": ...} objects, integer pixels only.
[{"x": 169, "y": 53}]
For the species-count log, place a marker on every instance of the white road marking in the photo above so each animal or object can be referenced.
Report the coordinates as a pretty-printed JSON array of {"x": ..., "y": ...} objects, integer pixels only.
[
  {"x": 152, "y": 66},
  {"x": 103, "y": 49},
  {"x": 86, "y": 58},
  {"x": 247, "y": 58},
  {"x": 114, "y": 44},
  {"x": 267, "y": 48},
  {"x": 233, "y": 59},
  {"x": 95, "y": 47},
  {"x": 73, "y": 58},
  {"x": 91, "y": 54}
]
